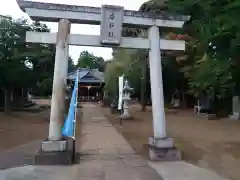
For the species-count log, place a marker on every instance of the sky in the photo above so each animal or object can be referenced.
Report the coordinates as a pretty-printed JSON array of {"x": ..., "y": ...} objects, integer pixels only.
[{"x": 10, "y": 7}]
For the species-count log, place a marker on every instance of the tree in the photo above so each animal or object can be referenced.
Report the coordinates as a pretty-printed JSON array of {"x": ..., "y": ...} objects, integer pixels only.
[
  {"x": 42, "y": 58},
  {"x": 215, "y": 28},
  {"x": 71, "y": 65},
  {"x": 21, "y": 63},
  {"x": 88, "y": 60},
  {"x": 13, "y": 68},
  {"x": 120, "y": 65},
  {"x": 214, "y": 42},
  {"x": 140, "y": 58}
]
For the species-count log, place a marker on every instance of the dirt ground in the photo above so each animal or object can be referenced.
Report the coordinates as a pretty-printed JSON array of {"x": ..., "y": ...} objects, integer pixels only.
[
  {"x": 210, "y": 144},
  {"x": 23, "y": 127},
  {"x": 21, "y": 134}
]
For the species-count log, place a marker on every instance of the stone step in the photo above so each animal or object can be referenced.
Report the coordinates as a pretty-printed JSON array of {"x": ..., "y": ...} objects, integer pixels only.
[{"x": 53, "y": 158}]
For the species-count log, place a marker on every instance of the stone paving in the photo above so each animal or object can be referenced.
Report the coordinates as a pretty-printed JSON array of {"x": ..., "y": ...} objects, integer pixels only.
[
  {"x": 114, "y": 158},
  {"x": 106, "y": 155}
]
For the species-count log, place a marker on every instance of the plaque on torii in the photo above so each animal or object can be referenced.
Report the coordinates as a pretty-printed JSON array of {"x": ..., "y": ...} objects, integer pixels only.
[{"x": 111, "y": 25}]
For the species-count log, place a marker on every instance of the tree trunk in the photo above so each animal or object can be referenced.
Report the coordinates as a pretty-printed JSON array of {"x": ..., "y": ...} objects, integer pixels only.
[
  {"x": 183, "y": 99},
  {"x": 143, "y": 85},
  {"x": 7, "y": 101}
]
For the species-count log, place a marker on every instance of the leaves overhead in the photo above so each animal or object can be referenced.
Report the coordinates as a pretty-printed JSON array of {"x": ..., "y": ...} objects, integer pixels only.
[
  {"x": 88, "y": 60},
  {"x": 215, "y": 30}
]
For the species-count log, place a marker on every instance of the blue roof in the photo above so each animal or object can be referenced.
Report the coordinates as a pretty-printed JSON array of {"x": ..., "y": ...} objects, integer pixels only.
[{"x": 87, "y": 75}]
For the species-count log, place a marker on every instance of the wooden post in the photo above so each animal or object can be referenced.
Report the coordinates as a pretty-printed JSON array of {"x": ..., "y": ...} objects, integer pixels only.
[{"x": 59, "y": 81}]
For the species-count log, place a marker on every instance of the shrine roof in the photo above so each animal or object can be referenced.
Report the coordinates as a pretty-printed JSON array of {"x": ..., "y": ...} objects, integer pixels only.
[{"x": 87, "y": 75}]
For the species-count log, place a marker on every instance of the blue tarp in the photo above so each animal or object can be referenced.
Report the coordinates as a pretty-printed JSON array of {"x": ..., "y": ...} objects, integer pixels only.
[{"x": 69, "y": 125}]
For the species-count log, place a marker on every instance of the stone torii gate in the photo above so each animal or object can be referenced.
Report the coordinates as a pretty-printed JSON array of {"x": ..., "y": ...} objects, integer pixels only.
[{"x": 111, "y": 19}]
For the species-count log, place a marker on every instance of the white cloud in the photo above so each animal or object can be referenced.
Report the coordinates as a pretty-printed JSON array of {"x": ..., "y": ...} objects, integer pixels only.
[{"x": 10, "y": 7}]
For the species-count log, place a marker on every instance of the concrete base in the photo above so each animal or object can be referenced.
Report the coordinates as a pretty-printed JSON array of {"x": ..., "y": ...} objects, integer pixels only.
[
  {"x": 167, "y": 154},
  {"x": 207, "y": 116},
  {"x": 53, "y": 158},
  {"x": 54, "y": 146},
  {"x": 234, "y": 117},
  {"x": 163, "y": 150},
  {"x": 55, "y": 153},
  {"x": 160, "y": 142}
]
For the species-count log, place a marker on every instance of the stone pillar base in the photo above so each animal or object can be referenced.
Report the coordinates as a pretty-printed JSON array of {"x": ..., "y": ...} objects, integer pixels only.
[
  {"x": 234, "y": 117},
  {"x": 163, "y": 149},
  {"x": 55, "y": 153},
  {"x": 126, "y": 117},
  {"x": 54, "y": 146}
]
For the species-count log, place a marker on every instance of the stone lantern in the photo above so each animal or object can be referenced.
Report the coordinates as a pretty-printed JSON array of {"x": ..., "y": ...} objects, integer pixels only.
[{"x": 127, "y": 90}]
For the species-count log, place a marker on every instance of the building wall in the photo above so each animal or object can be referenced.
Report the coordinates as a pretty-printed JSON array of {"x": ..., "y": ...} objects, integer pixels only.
[{"x": 90, "y": 92}]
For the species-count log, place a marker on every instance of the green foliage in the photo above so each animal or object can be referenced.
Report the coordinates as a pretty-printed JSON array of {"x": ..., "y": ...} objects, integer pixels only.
[
  {"x": 88, "y": 60},
  {"x": 12, "y": 48},
  {"x": 154, "y": 6},
  {"x": 121, "y": 64},
  {"x": 215, "y": 23},
  {"x": 212, "y": 76},
  {"x": 24, "y": 64},
  {"x": 71, "y": 65}
]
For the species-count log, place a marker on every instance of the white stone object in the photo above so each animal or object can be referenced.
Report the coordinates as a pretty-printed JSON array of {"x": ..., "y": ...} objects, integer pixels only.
[
  {"x": 95, "y": 40},
  {"x": 59, "y": 81},
  {"x": 159, "y": 124},
  {"x": 126, "y": 98}
]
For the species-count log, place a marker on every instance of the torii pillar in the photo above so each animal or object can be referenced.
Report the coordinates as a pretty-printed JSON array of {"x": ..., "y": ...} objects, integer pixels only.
[
  {"x": 161, "y": 146},
  {"x": 55, "y": 150},
  {"x": 59, "y": 81}
]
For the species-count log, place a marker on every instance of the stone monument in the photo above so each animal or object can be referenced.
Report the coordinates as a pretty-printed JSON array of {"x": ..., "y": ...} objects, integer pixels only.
[
  {"x": 206, "y": 109},
  {"x": 235, "y": 108},
  {"x": 126, "y": 98}
]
